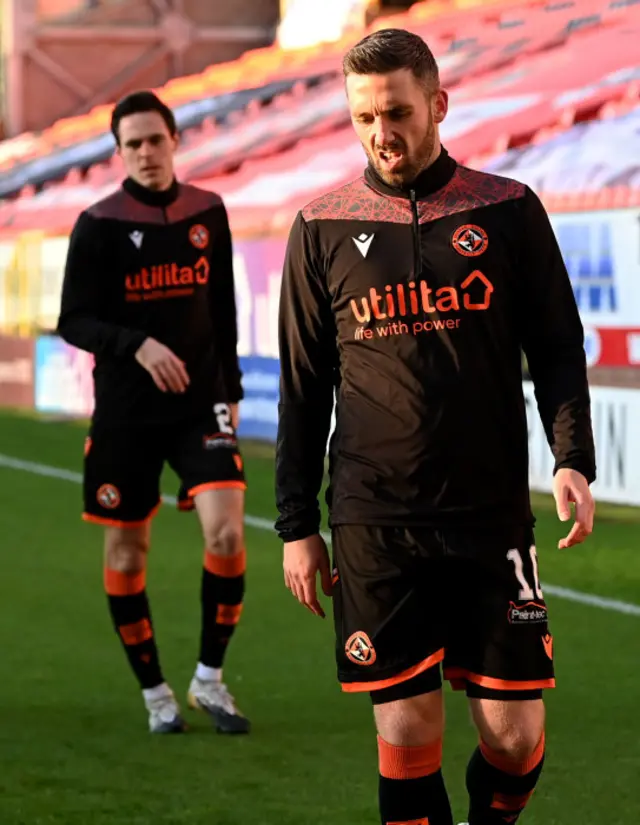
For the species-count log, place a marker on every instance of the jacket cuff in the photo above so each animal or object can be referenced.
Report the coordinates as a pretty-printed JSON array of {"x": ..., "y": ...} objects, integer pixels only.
[
  {"x": 300, "y": 529},
  {"x": 580, "y": 465},
  {"x": 136, "y": 340}
]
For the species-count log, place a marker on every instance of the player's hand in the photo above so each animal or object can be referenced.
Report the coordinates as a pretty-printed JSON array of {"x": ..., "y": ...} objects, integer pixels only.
[
  {"x": 234, "y": 410},
  {"x": 303, "y": 560},
  {"x": 167, "y": 370},
  {"x": 571, "y": 487}
]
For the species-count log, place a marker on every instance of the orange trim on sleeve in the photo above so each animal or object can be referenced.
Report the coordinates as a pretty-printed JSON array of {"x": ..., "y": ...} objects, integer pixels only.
[
  {"x": 117, "y": 583},
  {"x": 216, "y": 485},
  {"x": 430, "y": 661},
  {"x": 111, "y": 522},
  {"x": 457, "y": 676},
  {"x": 228, "y": 567},
  {"x": 515, "y": 768},
  {"x": 398, "y": 762}
]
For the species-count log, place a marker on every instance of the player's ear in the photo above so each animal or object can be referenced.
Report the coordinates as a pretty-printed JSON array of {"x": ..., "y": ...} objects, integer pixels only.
[{"x": 440, "y": 105}]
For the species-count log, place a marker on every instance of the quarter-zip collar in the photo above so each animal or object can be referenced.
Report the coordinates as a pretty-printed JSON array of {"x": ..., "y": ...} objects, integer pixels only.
[
  {"x": 426, "y": 183},
  {"x": 150, "y": 197}
]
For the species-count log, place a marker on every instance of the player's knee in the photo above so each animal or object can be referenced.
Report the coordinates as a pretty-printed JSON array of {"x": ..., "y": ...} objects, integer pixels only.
[
  {"x": 516, "y": 732},
  {"x": 416, "y": 721},
  {"x": 126, "y": 551},
  {"x": 517, "y": 745},
  {"x": 223, "y": 538}
]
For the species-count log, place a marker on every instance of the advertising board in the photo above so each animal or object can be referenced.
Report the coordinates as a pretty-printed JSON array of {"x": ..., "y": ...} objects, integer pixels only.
[{"x": 16, "y": 372}]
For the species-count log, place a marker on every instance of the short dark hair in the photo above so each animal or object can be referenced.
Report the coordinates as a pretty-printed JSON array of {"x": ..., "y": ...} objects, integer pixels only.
[
  {"x": 137, "y": 102},
  {"x": 388, "y": 50}
]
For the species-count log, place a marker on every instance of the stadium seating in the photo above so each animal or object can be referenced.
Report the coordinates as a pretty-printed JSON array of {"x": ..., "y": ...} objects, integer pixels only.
[{"x": 271, "y": 129}]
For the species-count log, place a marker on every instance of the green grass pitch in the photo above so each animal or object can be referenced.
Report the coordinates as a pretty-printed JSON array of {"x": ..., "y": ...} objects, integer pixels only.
[{"x": 74, "y": 748}]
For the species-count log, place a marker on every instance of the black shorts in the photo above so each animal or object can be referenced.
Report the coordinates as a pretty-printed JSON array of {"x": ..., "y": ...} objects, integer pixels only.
[
  {"x": 123, "y": 466},
  {"x": 406, "y": 601}
]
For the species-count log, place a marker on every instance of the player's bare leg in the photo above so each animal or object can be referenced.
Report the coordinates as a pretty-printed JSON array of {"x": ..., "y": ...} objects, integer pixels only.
[
  {"x": 221, "y": 514},
  {"x": 411, "y": 787},
  {"x": 125, "y": 558},
  {"x": 504, "y": 770}
]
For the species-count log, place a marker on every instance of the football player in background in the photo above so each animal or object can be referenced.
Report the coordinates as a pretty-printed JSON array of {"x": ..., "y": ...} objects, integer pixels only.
[{"x": 149, "y": 290}]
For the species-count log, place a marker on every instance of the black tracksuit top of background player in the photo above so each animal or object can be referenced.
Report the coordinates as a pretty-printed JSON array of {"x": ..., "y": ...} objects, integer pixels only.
[
  {"x": 414, "y": 306},
  {"x": 143, "y": 263}
]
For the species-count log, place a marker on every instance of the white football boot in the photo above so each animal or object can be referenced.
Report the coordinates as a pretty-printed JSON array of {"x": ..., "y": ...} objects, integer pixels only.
[
  {"x": 164, "y": 711},
  {"x": 212, "y": 697}
]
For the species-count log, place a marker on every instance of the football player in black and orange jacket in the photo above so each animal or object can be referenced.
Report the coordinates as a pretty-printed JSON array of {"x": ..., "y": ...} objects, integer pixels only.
[
  {"x": 409, "y": 295},
  {"x": 149, "y": 290}
]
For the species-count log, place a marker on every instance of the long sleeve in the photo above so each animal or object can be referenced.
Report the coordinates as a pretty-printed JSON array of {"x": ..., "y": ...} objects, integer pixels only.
[
  {"x": 308, "y": 358},
  {"x": 81, "y": 321},
  {"x": 553, "y": 342},
  {"x": 224, "y": 311}
]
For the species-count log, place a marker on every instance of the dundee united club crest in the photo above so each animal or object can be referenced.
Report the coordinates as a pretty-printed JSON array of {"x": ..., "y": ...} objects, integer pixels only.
[
  {"x": 108, "y": 496},
  {"x": 199, "y": 236},
  {"x": 359, "y": 649},
  {"x": 470, "y": 240}
]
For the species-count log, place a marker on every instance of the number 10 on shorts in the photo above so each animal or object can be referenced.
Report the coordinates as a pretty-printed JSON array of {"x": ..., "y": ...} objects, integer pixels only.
[{"x": 526, "y": 591}]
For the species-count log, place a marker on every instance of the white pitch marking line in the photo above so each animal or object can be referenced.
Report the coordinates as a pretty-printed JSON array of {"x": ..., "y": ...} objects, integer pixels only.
[{"x": 264, "y": 524}]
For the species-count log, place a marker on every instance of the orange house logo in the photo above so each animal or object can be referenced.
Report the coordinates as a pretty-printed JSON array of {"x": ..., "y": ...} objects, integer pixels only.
[
  {"x": 166, "y": 281},
  {"x": 401, "y": 301}
]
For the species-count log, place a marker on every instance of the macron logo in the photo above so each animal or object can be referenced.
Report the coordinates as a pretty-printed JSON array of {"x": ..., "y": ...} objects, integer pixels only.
[
  {"x": 363, "y": 242},
  {"x": 137, "y": 237}
]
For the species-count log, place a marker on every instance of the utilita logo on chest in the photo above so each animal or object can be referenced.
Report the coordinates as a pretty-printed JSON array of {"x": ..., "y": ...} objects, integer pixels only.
[
  {"x": 163, "y": 281},
  {"x": 398, "y": 307}
]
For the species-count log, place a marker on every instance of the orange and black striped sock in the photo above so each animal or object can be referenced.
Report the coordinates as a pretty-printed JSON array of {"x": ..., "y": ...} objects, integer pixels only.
[
  {"x": 411, "y": 788},
  {"x": 129, "y": 609},
  {"x": 222, "y": 593},
  {"x": 499, "y": 788}
]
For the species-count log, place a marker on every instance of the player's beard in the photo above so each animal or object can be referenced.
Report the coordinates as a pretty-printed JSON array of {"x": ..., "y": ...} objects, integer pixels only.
[{"x": 412, "y": 164}]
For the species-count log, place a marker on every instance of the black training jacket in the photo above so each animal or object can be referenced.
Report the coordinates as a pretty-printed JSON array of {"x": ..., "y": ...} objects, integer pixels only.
[
  {"x": 157, "y": 264},
  {"x": 414, "y": 307}
]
